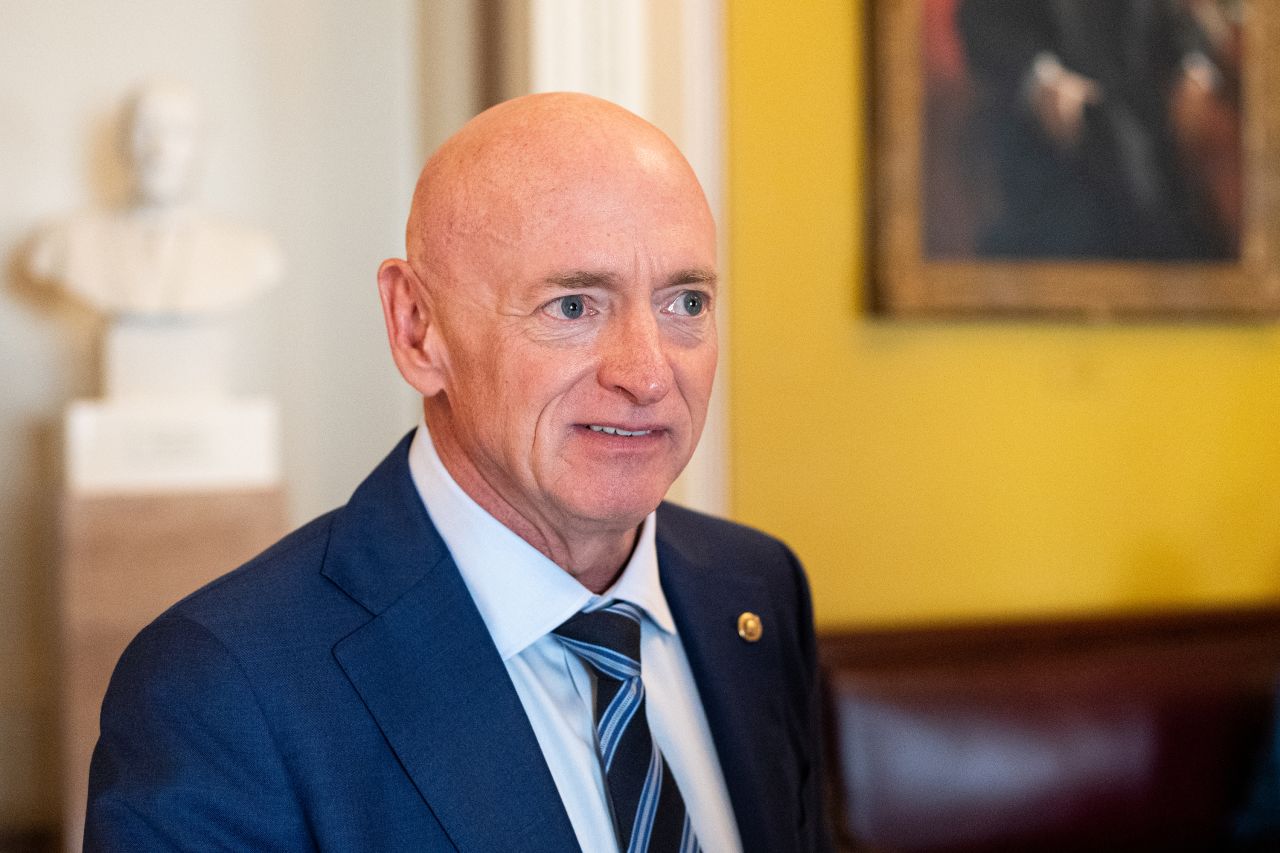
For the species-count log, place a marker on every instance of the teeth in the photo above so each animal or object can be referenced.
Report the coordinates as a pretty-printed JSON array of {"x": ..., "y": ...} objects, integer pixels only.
[{"x": 616, "y": 431}]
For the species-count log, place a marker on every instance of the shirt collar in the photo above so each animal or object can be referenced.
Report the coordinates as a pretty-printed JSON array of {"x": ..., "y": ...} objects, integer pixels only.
[
  {"x": 522, "y": 595},
  {"x": 639, "y": 582}
]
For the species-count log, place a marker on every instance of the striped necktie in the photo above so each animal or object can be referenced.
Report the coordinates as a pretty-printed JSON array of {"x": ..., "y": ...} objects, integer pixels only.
[{"x": 648, "y": 811}]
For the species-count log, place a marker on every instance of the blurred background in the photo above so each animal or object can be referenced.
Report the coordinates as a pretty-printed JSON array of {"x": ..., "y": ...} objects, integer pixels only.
[{"x": 925, "y": 472}]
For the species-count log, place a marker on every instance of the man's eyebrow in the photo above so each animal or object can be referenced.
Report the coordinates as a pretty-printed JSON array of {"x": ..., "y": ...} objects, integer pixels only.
[
  {"x": 580, "y": 279},
  {"x": 584, "y": 279},
  {"x": 696, "y": 275}
]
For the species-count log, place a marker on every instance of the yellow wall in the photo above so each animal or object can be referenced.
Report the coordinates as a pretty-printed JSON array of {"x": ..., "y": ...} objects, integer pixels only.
[{"x": 964, "y": 469}]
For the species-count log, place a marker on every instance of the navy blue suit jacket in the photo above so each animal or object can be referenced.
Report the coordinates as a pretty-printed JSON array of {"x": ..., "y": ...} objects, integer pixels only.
[{"x": 341, "y": 692}]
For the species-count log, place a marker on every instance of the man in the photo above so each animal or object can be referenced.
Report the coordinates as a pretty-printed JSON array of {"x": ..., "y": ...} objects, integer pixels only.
[
  {"x": 1079, "y": 96},
  {"x": 437, "y": 665}
]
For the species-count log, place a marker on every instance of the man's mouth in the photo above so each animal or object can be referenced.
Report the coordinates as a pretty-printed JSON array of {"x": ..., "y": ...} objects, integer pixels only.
[{"x": 608, "y": 430}]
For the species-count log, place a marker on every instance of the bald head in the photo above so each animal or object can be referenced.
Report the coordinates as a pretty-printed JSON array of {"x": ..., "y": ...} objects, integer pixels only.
[{"x": 494, "y": 179}]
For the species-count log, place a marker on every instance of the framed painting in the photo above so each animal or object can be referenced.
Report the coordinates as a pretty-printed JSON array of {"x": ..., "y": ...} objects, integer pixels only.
[{"x": 1091, "y": 158}]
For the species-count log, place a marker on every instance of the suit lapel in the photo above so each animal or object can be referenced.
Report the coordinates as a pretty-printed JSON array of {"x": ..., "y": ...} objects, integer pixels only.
[
  {"x": 426, "y": 668},
  {"x": 705, "y": 604}
]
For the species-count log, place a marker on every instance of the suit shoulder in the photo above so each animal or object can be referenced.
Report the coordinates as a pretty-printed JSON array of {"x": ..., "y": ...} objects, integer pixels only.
[
  {"x": 701, "y": 537},
  {"x": 276, "y": 617},
  {"x": 264, "y": 583}
]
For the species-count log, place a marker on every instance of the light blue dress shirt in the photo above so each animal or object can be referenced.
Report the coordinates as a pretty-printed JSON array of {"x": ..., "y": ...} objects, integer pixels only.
[{"x": 522, "y": 596}]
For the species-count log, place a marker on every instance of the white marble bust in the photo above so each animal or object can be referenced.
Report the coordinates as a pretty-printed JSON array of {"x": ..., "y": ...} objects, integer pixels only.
[
  {"x": 158, "y": 256},
  {"x": 165, "y": 276}
]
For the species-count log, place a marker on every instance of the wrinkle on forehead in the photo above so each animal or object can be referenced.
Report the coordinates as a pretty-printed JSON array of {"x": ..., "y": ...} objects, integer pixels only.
[{"x": 489, "y": 185}]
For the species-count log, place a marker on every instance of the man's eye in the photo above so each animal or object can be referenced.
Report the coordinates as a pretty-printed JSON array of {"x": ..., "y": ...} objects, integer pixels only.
[
  {"x": 568, "y": 307},
  {"x": 690, "y": 303}
]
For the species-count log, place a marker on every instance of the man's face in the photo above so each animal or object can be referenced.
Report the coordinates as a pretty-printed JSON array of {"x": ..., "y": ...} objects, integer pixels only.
[{"x": 581, "y": 343}]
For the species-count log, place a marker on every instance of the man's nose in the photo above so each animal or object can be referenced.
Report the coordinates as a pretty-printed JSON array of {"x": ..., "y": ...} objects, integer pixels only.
[{"x": 633, "y": 359}]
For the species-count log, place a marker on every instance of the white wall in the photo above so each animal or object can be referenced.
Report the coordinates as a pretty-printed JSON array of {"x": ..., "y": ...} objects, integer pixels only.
[{"x": 316, "y": 137}]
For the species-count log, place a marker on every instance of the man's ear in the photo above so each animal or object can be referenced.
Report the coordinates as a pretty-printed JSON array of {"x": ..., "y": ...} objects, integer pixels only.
[{"x": 410, "y": 329}]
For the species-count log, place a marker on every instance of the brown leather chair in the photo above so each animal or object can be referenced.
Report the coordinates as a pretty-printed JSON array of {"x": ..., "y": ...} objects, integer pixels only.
[{"x": 1118, "y": 733}]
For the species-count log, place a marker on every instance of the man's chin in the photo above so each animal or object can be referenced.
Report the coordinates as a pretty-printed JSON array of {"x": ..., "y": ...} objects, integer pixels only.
[{"x": 617, "y": 512}]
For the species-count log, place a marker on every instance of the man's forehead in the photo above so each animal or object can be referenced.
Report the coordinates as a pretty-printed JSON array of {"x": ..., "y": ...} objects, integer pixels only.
[
  {"x": 546, "y": 156},
  {"x": 600, "y": 185},
  {"x": 544, "y": 257}
]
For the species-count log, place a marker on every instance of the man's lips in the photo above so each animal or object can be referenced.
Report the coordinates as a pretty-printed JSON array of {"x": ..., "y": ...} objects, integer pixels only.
[
  {"x": 627, "y": 431},
  {"x": 608, "y": 430}
]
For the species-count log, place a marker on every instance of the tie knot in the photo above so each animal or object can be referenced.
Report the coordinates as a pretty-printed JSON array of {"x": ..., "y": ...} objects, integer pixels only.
[{"x": 608, "y": 639}]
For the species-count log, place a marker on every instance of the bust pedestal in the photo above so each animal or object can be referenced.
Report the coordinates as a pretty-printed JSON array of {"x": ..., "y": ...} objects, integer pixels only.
[
  {"x": 162, "y": 496},
  {"x": 147, "y": 358}
]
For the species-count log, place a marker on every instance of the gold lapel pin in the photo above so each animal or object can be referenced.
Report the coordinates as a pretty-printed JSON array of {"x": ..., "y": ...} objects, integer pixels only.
[{"x": 750, "y": 627}]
